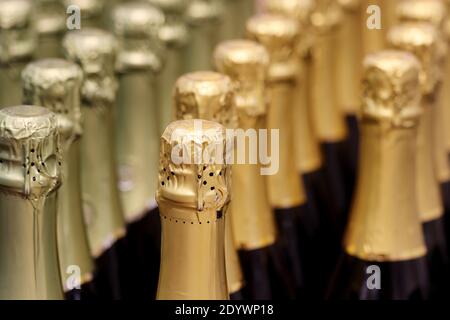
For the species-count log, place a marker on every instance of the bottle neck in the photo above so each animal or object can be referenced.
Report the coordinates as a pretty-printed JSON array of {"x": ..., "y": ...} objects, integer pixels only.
[
  {"x": 29, "y": 266},
  {"x": 73, "y": 245},
  {"x": 384, "y": 225},
  {"x": 137, "y": 142},
  {"x": 307, "y": 149},
  {"x": 348, "y": 68},
  {"x": 428, "y": 192},
  {"x": 192, "y": 254},
  {"x": 101, "y": 204},
  {"x": 327, "y": 118},
  {"x": 284, "y": 187},
  {"x": 253, "y": 222}
]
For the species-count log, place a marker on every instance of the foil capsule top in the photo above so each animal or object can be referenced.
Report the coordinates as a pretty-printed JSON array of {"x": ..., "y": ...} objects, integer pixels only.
[
  {"x": 174, "y": 32},
  {"x": 205, "y": 95},
  {"x": 94, "y": 50},
  {"x": 326, "y": 16},
  {"x": 298, "y": 9},
  {"x": 50, "y": 17},
  {"x": 18, "y": 40},
  {"x": 193, "y": 173},
  {"x": 137, "y": 26},
  {"x": 391, "y": 89},
  {"x": 55, "y": 83},
  {"x": 246, "y": 63},
  {"x": 204, "y": 11},
  {"x": 15, "y": 13},
  {"x": 29, "y": 151},
  {"x": 433, "y": 11},
  {"x": 279, "y": 35},
  {"x": 424, "y": 41}
]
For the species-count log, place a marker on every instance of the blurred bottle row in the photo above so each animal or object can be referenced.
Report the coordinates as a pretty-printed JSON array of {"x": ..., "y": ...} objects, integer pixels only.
[{"x": 93, "y": 204}]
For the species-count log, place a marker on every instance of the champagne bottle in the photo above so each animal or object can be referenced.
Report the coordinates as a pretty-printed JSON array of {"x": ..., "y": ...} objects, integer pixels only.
[
  {"x": 446, "y": 85},
  {"x": 18, "y": 43},
  {"x": 204, "y": 18},
  {"x": 94, "y": 50},
  {"x": 444, "y": 100},
  {"x": 139, "y": 63},
  {"x": 91, "y": 12},
  {"x": 30, "y": 178},
  {"x": 209, "y": 95},
  {"x": 246, "y": 63},
  {"x": 175, "y": 36},
  {"x": 348, "y": 74},
  {"x": 191, "y": 203},
  {"x": 328, "y": 119},
  {"x": 51, "y": 25},
  {"x": 435, "y": 12},
  {"x": 383, "y": 238},
  {"x": 279, "y": 35},
  {"x": 422, "y": 39},
  {"x": 308, "y": 155},
  {"x": 55, "y": 84}
]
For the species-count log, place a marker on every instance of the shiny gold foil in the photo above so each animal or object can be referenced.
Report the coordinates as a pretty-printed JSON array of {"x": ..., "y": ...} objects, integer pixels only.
[
  {"x": 203, "y": 18},
  {"x": 307, "y": 151},
  {"x": 136, "y": 26},
  {"x": 191, "y": 197},
  {"x": 434, "y": 12},
  {"x": 279, "y": 35},
  {"x": 94, "y": 50},
  {"x": 446, "y": 85},
  {"x": 328, "y": 119},
  {"x": 383, "y": 224},
  {"x": 246, "y": 62},
  {"x": 30, "y": 177},
  {"x": 55, "y": 84},
  {"x": 175, "y": 36},
  {"x": 422, "y": 39},
  {"x": 210, "y": 96},
  {"x": 17, "y": 45},
  {"x": 348, "y": 55},
  {"x": 51, "y": 25}
]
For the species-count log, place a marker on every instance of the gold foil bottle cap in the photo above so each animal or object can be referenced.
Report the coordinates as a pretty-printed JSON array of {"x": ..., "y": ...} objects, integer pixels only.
[
  {"x": 18, "y": 39},
  {"x": 433, "y": 11},
  {"x": 174, "y": 32},
  {"x": 55, "y": 83},
  {"x": 384, "y": 223},
  {"x": 137, "y": 26},
  {"x": 95, "y": 51},
  {"x": 29, "y": 148},
  {"x": 302, "y": 11},
  {"x": 326, "y": 16},
  {"x": 421, "y": 39},
  {"x": 205, "y": 95},
  {"x": 89, "y": 8},
  {"x": 50, "y": 16},
  {"x": 391, "y": 87},
  {"x": 298, "y": 9},
  {"x": 279, "y": 35},
  {"x": 204, "y": 11},
  {"x": 193, "y": 173},
  {"x": 246, "y": 63}
]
